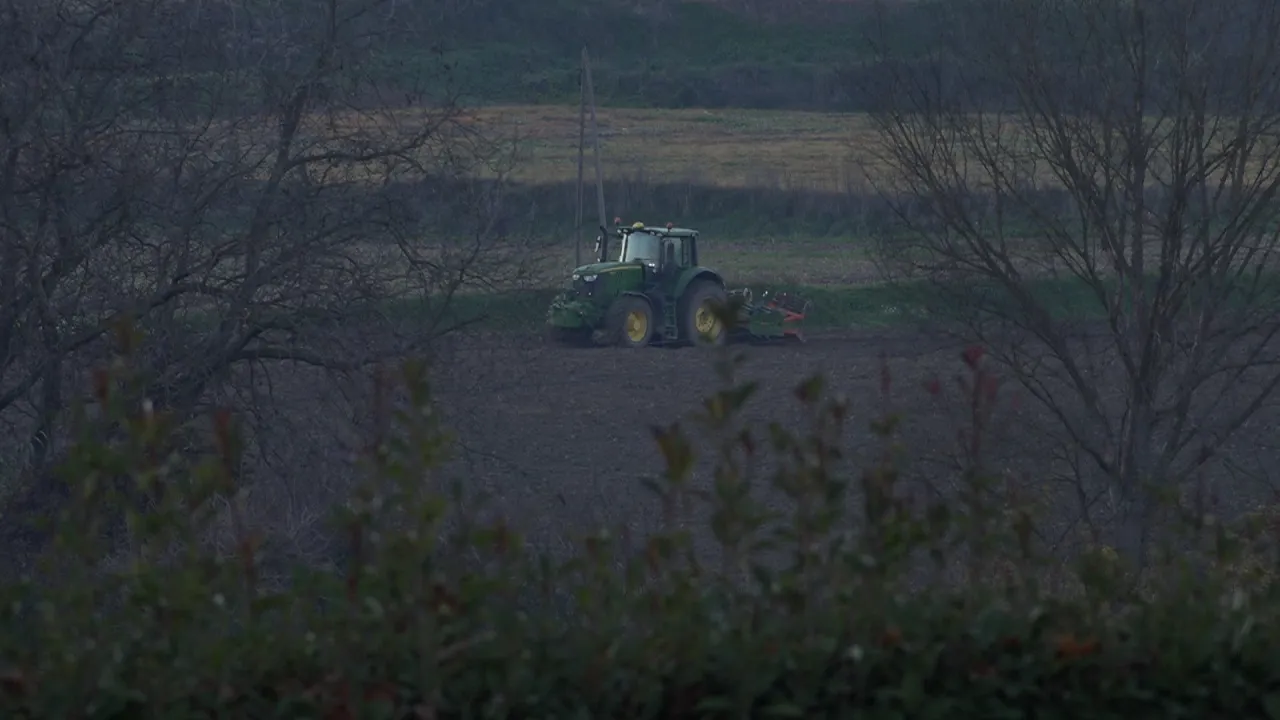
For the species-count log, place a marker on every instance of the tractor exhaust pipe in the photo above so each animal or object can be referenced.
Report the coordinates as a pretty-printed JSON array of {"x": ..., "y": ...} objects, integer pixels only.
[{"x": 602, "y": 245}]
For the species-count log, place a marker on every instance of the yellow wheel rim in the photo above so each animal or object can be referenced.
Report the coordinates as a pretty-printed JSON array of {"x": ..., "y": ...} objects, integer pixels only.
[
  {"x": 637, "y": 326},
  {"x": 706, "y": 322}
]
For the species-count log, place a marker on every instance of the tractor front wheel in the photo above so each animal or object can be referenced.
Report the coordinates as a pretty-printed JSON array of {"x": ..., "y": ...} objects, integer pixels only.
[
  {"x": 702, "y": 326},
  {"x": 630, "y": 322}
]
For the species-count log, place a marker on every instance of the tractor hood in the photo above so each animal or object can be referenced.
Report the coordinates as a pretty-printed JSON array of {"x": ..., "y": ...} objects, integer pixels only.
[{"x": 605, "y": 267}]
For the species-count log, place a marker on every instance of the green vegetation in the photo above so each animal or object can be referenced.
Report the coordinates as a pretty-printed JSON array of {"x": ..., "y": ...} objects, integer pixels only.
[
  {"x": 435, "y": 609},
  {"x": 835, "y": 306}
]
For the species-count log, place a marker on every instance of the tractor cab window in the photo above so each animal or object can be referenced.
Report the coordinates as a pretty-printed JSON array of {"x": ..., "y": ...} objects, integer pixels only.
[
  {"x": 675, "y": 253},
  {"x": 641, "y": 246}
]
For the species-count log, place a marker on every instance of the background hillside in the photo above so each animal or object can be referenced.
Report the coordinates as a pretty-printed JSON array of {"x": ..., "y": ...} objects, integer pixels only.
[{"x": 810, "y": 54}]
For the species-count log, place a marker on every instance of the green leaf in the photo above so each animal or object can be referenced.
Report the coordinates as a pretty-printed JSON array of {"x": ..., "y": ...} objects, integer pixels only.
[
  {"x": 1271, "y": 702},
  {"x": 783, "y": 709}
]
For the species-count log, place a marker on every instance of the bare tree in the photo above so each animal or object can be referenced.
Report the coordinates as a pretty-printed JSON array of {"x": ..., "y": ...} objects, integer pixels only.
[
  {"x": 255, "y": 184},
  {"x": 1091, "y": 187}
]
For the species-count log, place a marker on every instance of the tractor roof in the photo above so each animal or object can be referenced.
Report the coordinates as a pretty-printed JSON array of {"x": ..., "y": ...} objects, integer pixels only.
[{"x": 656, "y": 230}]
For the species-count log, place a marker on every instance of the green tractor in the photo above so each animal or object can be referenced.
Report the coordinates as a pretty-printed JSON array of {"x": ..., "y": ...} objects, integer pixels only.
[{"x": 655, "y": 290}]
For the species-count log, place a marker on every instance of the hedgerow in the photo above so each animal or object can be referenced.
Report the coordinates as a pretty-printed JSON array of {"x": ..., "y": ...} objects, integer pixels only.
[{"x": 818, "y": 606}]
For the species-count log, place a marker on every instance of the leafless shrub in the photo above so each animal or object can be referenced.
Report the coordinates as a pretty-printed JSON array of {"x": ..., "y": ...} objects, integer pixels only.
[
  {"x": 1120, "y": 155},
  {"x": 256, "y": 186}
]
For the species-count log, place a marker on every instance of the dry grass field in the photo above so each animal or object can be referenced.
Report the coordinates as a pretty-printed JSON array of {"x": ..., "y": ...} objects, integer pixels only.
[
  {"x": 722, "y": 148},
  {"x": 727, "y": 148},
  {"x": 738, "y": 148}
]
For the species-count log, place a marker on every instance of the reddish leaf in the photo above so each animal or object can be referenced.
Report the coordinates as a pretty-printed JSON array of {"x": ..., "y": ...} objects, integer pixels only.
[
  {"x": 1068, "y": 647},
  {"x": 15, "y": 683},
  {"x": 891, "y": 638},
  {"x": 101, "y": 385},
  {"x": 982, "y": 670},
  {"x": 972, "y": 355}
]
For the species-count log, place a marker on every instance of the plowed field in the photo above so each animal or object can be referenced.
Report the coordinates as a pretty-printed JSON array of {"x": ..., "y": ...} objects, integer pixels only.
[{"x": 561, "y": 437}]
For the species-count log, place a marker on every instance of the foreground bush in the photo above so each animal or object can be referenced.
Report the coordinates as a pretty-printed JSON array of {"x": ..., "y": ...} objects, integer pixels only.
[{"x": 814, "y": 610}]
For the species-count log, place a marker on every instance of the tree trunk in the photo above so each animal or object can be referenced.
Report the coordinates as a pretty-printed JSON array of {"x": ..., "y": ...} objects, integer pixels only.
[{"x": 1136, "y": 504}]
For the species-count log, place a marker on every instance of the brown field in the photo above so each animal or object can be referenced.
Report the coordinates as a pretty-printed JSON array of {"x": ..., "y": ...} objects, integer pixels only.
[
  {"x": 778, "y": 149},
  {"x": 724, "y": 148},
  {"x": 561, "y": 437}
]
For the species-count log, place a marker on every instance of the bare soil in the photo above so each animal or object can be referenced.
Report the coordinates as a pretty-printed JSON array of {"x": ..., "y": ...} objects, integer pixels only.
[{"x": 561, "y": 437}]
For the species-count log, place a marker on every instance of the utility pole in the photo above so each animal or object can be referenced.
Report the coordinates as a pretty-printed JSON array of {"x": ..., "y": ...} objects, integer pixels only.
[
  {"x": 582, "y": 141},
  {"x": 595, "y": 138}
]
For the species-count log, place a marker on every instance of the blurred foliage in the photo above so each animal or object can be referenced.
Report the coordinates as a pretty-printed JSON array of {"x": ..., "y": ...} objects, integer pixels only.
[{"x": 807, "y": 600}]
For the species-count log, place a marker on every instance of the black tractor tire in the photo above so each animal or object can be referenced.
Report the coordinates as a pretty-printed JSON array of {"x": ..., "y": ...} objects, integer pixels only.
[
  {"x": 696, "y": 296},
  {"x": 634, "y": 334}
]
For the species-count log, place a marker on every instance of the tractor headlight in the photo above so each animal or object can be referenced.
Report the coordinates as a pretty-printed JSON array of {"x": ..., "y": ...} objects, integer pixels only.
[{"x": 588, "y": 278}]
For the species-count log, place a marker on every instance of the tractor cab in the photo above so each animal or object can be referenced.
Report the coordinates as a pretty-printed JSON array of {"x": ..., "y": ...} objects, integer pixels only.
[{"x": 662, "y": 251}]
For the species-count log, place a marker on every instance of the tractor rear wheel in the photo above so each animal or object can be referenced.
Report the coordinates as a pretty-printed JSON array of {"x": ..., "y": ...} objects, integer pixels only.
[
  {"x": 700, "y": 324},
  {"x": 630, "y": 322}
]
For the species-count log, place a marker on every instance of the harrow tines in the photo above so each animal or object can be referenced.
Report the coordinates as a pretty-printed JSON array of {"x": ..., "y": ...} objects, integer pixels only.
[{"x": 791, "y": 304}]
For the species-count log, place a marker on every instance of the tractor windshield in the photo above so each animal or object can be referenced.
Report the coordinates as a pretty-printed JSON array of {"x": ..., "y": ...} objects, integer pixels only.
[{"x": 641, "y": 246}]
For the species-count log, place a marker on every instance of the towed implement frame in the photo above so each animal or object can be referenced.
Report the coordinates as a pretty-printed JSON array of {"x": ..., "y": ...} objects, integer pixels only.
[{"x": 775, "y": 316}]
